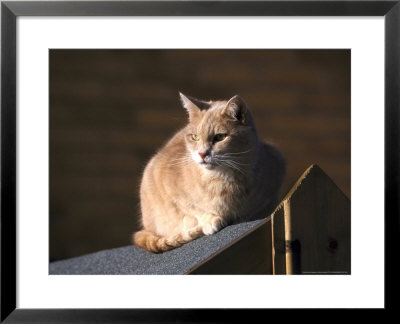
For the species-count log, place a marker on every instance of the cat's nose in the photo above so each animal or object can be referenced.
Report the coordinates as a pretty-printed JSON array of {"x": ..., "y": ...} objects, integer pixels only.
[{"x": 203, "y": 154}]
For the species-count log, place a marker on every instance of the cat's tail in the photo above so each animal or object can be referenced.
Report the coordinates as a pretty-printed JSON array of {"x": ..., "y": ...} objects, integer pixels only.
[{"x": 151, "y": 242}]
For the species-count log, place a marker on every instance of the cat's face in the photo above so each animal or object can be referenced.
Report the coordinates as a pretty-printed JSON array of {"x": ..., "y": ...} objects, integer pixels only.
[{"x": 220, "y": 134}]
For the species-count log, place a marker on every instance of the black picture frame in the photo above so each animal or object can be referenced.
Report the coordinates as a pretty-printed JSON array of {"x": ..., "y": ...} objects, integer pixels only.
[{"x": 10, "y": 10}]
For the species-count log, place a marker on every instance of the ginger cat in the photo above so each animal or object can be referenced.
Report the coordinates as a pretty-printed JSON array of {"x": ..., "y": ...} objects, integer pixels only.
[{"x": 211, "y": 173}]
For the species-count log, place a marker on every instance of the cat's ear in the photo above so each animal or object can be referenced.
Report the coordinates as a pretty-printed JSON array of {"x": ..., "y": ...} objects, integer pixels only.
[
  {"x": 236, "y": 109},
  {"x": 192, "y": 105}
]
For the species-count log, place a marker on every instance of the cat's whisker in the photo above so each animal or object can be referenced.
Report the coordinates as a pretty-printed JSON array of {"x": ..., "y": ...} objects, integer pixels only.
[
  {"x": 231, "y": 166},
  {"x": 180, "y": 161},
  {"x": 237, "y": 153},
  {"x": 225, "y": 155},
  {"x": 182, "y": 158},
  {"x": 236, "y": 168},
  {"x": 237, "y": 163},
  {"x": 230, "y": 159}
]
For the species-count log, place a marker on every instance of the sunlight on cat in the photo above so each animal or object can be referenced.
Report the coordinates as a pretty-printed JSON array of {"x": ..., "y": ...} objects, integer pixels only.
[{"x": 213, "y": 172}]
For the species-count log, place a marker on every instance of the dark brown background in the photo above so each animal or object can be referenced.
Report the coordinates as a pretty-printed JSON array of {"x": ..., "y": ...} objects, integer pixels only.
[{"x": 111, "y": 109}]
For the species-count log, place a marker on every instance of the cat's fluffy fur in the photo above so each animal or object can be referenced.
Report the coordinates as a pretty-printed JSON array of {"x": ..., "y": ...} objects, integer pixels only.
[{"x": 211, "y": 173}]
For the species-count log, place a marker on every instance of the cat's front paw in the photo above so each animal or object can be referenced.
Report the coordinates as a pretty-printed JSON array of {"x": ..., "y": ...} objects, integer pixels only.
[{"x": 215, "y": 224}]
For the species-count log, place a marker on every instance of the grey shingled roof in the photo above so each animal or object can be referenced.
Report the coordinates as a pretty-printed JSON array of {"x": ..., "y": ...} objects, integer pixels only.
[{"x": 133, "y": 260}]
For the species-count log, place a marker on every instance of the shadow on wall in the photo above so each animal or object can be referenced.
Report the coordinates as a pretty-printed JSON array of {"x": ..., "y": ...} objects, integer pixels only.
[{"x": 111, "y": 109}]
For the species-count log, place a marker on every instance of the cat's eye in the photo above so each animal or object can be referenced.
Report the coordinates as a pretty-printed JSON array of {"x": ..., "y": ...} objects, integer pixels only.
[
  {"x": 219, "y": 137},
  {"x": 195, "y": 137}
]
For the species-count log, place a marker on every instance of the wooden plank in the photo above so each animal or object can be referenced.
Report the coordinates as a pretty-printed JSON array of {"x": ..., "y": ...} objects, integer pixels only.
[
  {"x": 278, "y": 241},
  {"x": 316, "y": 216},
  {"x": 249, "y": 254}
]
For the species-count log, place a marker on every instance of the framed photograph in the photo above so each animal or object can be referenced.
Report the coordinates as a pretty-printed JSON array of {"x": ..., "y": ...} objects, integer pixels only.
[
  {"x": 125, "y": 106},
  {"x": 93, "y": 91}
]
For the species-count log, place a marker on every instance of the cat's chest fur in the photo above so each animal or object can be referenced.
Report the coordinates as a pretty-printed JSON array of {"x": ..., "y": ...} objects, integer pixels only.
[{"x": 221, "y": 195}]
